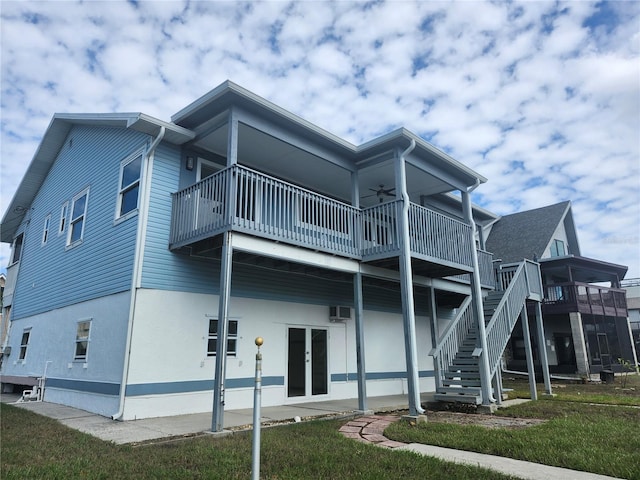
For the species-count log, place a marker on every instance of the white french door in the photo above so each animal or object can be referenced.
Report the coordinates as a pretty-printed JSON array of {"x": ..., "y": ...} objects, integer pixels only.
[{"x": 307, "y": 371}]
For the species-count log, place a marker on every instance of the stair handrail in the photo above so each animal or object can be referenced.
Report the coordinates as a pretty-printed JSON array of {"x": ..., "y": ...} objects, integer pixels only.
[
  {"x": 507, "y": 312},
  {"x": 452, "y": 338}
]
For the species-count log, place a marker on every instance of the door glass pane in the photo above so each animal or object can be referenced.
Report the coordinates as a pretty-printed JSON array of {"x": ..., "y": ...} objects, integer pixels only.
[
  {"x": 319, "y": 362},
  {"x": 297, "y": 363},
  {"x": 604, "y": 350}
]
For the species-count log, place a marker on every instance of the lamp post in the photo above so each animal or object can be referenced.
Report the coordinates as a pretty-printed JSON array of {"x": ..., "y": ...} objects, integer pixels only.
[{"x": 257, "y": 393}]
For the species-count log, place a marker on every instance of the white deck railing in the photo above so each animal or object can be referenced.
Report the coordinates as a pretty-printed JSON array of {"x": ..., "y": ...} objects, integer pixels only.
[
  {"x": 245, "y": 200},
  {"x": 435, "y": 235},
  {"x": 519, "y": 282},
  {"x": 452, "y": 338}
]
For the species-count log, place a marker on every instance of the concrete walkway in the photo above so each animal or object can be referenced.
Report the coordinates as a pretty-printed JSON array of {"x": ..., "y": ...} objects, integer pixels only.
[
  {"x": 162, "y": 428},
  {"x": 370, "y": 429}
]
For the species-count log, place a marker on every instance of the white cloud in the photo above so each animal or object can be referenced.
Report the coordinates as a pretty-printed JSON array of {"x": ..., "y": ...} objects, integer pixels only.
[{"x": 549, "y": 92}]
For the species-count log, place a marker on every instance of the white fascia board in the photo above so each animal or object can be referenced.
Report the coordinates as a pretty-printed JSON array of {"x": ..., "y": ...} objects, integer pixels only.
[{"x": 241, "y": 96}]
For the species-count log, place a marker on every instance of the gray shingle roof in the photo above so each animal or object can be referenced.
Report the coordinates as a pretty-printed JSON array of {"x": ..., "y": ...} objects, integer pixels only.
[{"x": 526, "y": 234}]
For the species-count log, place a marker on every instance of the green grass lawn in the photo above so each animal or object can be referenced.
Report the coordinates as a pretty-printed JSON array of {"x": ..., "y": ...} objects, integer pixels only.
[
  {"x": 596, "y": 438},
  {"x": 602, "y": 438},
  {"x": 35, "y": 447}
]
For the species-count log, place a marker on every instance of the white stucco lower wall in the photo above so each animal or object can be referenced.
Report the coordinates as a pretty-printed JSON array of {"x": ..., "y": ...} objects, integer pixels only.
[
  {"x": 91, "y": 384},
  {"x": 170, "y": 372}
]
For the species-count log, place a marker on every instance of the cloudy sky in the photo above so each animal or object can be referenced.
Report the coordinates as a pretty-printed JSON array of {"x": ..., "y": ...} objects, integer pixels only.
[{"x": 543, "y": 98}]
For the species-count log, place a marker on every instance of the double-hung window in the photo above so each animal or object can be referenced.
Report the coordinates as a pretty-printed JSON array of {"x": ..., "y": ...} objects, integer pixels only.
[
  {"x": 78, "y": 214},
  {"x": 129, "y": 189},
  {"x": 45, "y": 231},
  {"x": 24, "y": 343},
  {"x": 557, "y": 249},
  {"x": 16, "y": 252},
  {"x": 63, "y": 218},
  {"x": 82, "y": 340},
  {"x": 232, "y": 338}
]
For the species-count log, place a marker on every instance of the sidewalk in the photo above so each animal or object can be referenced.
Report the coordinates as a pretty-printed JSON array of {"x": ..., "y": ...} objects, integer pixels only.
[{"x": 370, "y": 429}]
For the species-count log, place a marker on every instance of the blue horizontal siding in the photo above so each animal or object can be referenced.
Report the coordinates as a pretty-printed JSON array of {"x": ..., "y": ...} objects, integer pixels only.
[
  {"x": 163, "y": 269},
  {"x": 346, "y": 377},
  {"x": 166, "y": 270},
  {"x": 52, "y": 276}
]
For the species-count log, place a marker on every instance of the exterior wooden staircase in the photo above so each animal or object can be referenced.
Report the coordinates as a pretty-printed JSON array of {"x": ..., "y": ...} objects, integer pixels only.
[{"x": 457, "y": 355}]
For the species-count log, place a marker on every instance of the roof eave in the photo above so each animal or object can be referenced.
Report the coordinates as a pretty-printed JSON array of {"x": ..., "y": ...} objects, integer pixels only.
[{"x": 50, "y": 145}]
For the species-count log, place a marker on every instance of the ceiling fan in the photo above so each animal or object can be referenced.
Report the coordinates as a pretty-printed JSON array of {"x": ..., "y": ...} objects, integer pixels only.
[{"x": 381, "y": 192}]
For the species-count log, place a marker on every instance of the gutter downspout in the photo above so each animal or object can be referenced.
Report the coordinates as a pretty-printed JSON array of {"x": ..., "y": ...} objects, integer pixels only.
[
  {"x": 143, "y": 213},
  {"x": 476, "y": 291},
  {"x": 406, "y": 279}
]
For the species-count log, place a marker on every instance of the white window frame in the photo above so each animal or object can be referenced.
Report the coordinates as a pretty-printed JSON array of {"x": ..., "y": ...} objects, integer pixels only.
[
  {"x": 555, "y": 251},
  {"x": 214, "y": 166},
  {"x": 74, "y": 220},
  {"x": 24, "y": 346},
  {"x": 64, "y": 210},
  {"x": 16, "y": 249},
  {"x": 232, "y": 339},
  {"x": 46, "y": 230},
  {"x": 82, "y": 339},
  {"x": 123, "y": 189}
]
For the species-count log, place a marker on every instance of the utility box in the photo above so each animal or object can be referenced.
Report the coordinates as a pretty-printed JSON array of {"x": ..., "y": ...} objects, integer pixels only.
[{"x": 606, "y": 376}]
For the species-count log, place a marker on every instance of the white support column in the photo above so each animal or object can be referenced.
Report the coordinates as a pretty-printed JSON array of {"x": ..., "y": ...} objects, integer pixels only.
[
  {"x": 406, "y": 287},
  {"x": 476, "y": 294},
  {"x": 497, "y": 386},
  {"x": 217, "y": 422},
  {"x": 232, "y": 146},
  {"x": 542, "y": 348},
  {"x": 524, "y": 318},
  {"x": 362, "y": 371},
  {"x": 435, "y": 334}
]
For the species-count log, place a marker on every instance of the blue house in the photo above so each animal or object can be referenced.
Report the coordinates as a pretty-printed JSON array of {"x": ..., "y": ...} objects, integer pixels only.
[{"x": 148, "y": 255}]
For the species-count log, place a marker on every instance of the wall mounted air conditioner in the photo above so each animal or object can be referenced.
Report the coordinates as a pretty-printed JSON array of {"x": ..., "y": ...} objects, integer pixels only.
[{"x": 339, "y": 314}]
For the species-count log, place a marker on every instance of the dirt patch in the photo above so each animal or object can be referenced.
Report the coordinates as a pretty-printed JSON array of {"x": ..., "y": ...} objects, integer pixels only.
[{"x": 488, "y": 421}]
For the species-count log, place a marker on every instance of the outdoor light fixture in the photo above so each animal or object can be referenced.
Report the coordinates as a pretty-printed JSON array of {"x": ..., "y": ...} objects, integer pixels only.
[{"x": 190, "y": 163}]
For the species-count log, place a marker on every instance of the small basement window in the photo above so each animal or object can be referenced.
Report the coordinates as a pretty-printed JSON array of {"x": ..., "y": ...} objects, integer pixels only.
[{"x": 232, "y": 338}]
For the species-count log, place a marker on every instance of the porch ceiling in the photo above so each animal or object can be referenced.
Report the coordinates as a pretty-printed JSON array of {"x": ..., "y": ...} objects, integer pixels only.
[{"x": 280, "y": 159}]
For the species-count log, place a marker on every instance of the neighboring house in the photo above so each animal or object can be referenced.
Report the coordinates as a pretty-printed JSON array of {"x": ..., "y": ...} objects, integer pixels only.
[
  {"x": 4, "y": 321},
  {"x": 584, "y": 308},
  {"x": 148, "y": 255},
  {"x": 632, "y": 287}
]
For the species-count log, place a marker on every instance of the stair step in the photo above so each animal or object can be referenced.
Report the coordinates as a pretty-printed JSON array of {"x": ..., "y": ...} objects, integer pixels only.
[
  {"x": 471, "y": 383},
  {"x": 462, "y": 375},
  {"x": 465, "y": 354},
  {"x": 443, "y": 397},
  {"x": 460, "y": 390},
  {"x": 465, "y": 361},
  {"x": 465, "y": 372}
]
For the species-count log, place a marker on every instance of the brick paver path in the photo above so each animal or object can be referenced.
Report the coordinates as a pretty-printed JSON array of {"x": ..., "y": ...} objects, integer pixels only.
[{"x": 370, "y": 429}]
